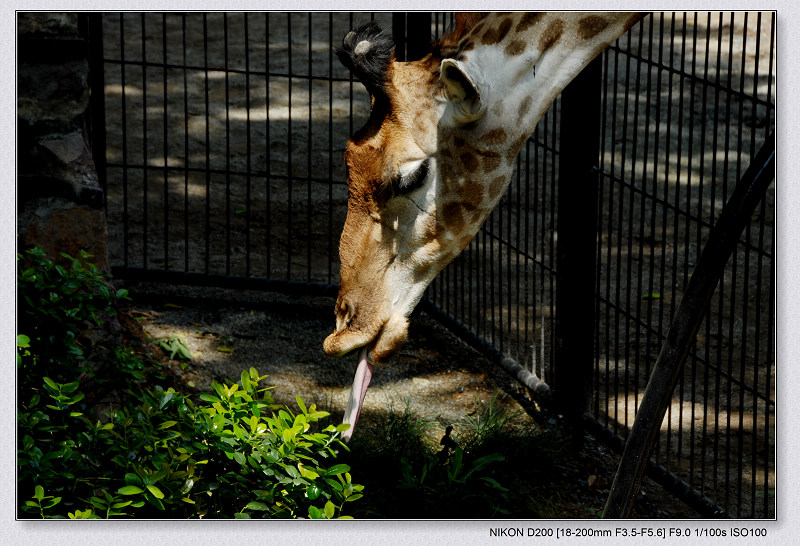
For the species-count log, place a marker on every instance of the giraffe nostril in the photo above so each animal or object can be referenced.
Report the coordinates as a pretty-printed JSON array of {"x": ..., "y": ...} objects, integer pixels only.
[{"x": 347, "y": 312}]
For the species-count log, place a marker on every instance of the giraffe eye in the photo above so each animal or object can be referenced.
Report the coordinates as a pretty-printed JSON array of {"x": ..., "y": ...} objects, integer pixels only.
[{"x": 413, "y": 178}]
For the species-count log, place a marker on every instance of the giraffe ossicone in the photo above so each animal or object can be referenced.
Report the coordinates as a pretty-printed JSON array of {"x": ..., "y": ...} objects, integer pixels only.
[{"x": 436, "y": 155}]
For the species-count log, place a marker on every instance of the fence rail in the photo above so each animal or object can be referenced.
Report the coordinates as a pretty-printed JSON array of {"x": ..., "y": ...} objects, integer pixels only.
[{"x": 223, "y": 140}]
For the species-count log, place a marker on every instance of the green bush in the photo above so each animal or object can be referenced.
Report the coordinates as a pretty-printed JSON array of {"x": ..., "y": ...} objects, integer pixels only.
[{"x": 153, "y": 452}]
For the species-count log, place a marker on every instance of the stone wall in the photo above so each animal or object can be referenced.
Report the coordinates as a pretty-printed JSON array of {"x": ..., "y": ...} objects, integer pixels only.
[{"x": 60, "y": 199}]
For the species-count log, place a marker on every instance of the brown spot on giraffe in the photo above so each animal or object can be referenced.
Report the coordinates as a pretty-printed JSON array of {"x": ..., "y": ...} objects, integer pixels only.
[
  {"x": 494, "y": 137},
  {"x": 469, "y": 161},
  {"x": 498, "y": 108},
  {"x": 472, "y": 194},
  {"x": 517, "y": 47},
  {"x": 495, "y": 35},
  {"x": 491, "y": 160},
  {"x": 551, "y": 35},
  {"x": 591, "y": 26},
  {"x": 453, "y": 216},
  {"x": 527, "y": 21},
  {"x": 525, "y": 106},
  {"x": 496, "y": 187}
]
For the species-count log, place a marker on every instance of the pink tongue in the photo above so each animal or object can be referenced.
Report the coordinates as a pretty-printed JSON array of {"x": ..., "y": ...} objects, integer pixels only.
[{"x": 357, "y": 393}]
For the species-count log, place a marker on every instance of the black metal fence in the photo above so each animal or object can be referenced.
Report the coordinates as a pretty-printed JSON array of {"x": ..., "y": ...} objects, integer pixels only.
[{"x": 223, "y": 141}]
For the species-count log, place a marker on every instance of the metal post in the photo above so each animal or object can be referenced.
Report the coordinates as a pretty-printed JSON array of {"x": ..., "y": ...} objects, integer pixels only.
[
  {"x": 577, "y": 239},
  {"x": 412, "y": 35},
  {"x": 93, "y": 23}
]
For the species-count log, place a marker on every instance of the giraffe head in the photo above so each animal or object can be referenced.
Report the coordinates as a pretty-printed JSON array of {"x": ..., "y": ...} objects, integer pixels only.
[
  {"x": 436, "y": 155},
  {"x": 423, "y": 175}
]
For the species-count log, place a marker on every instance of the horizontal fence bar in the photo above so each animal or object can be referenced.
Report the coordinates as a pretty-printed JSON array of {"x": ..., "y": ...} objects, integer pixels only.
[{"x": 224, "y": 281}]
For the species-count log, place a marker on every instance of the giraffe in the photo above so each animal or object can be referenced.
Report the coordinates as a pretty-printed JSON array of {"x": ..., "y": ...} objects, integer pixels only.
[{"x": 436, "y": 155}]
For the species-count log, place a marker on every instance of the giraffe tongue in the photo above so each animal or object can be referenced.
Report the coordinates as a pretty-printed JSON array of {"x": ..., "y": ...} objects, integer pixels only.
[{"x": 357, "y": 392}]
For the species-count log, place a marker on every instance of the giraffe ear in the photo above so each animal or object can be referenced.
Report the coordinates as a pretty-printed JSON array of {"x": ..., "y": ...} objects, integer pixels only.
[{"x": 463, "y": 93}]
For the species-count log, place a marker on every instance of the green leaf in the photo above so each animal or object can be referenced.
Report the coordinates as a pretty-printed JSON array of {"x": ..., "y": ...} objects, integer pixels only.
[
  {"x": 289, "y": 434},
  {"x": 309, "y": 474},
  {"x": 313, "y": 492},
  {"x": 224, "y": 349},
  {"x": 301, "y": 405},
  {"x": 255, "y": 505},
  {"x": 38, "y": 493},
  {"x": 246, "y": 380},
  {"x": 338, "y": 469},
  {"x": 209, "y": 398},
  {"x": 155, "y": 491},
  {"x": 329, "y": 509},
  {"x": 129, "y": 490}
]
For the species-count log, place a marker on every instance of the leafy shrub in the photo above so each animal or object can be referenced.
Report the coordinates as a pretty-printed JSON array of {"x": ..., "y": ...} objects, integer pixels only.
[{"x": 154, "y": 452}]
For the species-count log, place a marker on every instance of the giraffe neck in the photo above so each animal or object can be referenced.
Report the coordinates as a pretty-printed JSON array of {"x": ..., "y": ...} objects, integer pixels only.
[{"x": 522, "y": 61}]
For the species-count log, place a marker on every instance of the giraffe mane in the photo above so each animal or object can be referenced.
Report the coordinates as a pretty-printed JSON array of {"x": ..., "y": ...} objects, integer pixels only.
[{"x": 368, "y": 52}]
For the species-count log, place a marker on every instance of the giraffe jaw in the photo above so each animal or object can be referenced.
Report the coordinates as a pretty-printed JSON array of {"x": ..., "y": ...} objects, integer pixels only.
[{"x": 387, "y": 338}]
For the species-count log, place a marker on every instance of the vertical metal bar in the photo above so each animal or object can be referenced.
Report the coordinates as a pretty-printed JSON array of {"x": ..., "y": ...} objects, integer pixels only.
[
  {"x": 600, "y": 333},
  {"x": 768, "y": 451},
  {"x": 268, "y": 153},
  {"x": 550, "y": 232},
  {"x": 412, "y": 34},
  {"x": 743, "y": 358},
  {"x": 352, "y": 81},
  {"x": 185, "y": 150},
  {"x": 145, "y": 222},
  {"x": 687, "y": 237},
  {"x": 207, "y": 257},
  {"x": 290, "y": 167},
  {"x": 628, "y": 154},
  {"x": 399, "y": 34},
  {"x": 330, "y": 150},
  {"x": 577, "y": 233},
  {"x": 124, "y": 136},
  {"x": 636, "y": 294},
  {"x": 621, "y": 267},
  {"x": 248, "y": 169},
  {"x": 165, "y": 136},
  {"x": 676, "y": 218},
  {"x": 97, "y": 130},
  {"x": 662, "y": 289},
  {"x": 227, "y": 145},
  {"x": 309, "y": 149},
  {"x": 698, "y": 245},
  {"x": 418, "y": 34},
  {"x": 713, "y": 186}
]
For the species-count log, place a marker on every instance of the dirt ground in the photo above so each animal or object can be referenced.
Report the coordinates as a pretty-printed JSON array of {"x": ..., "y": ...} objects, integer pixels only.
[{"x": 435, "y": 374}]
